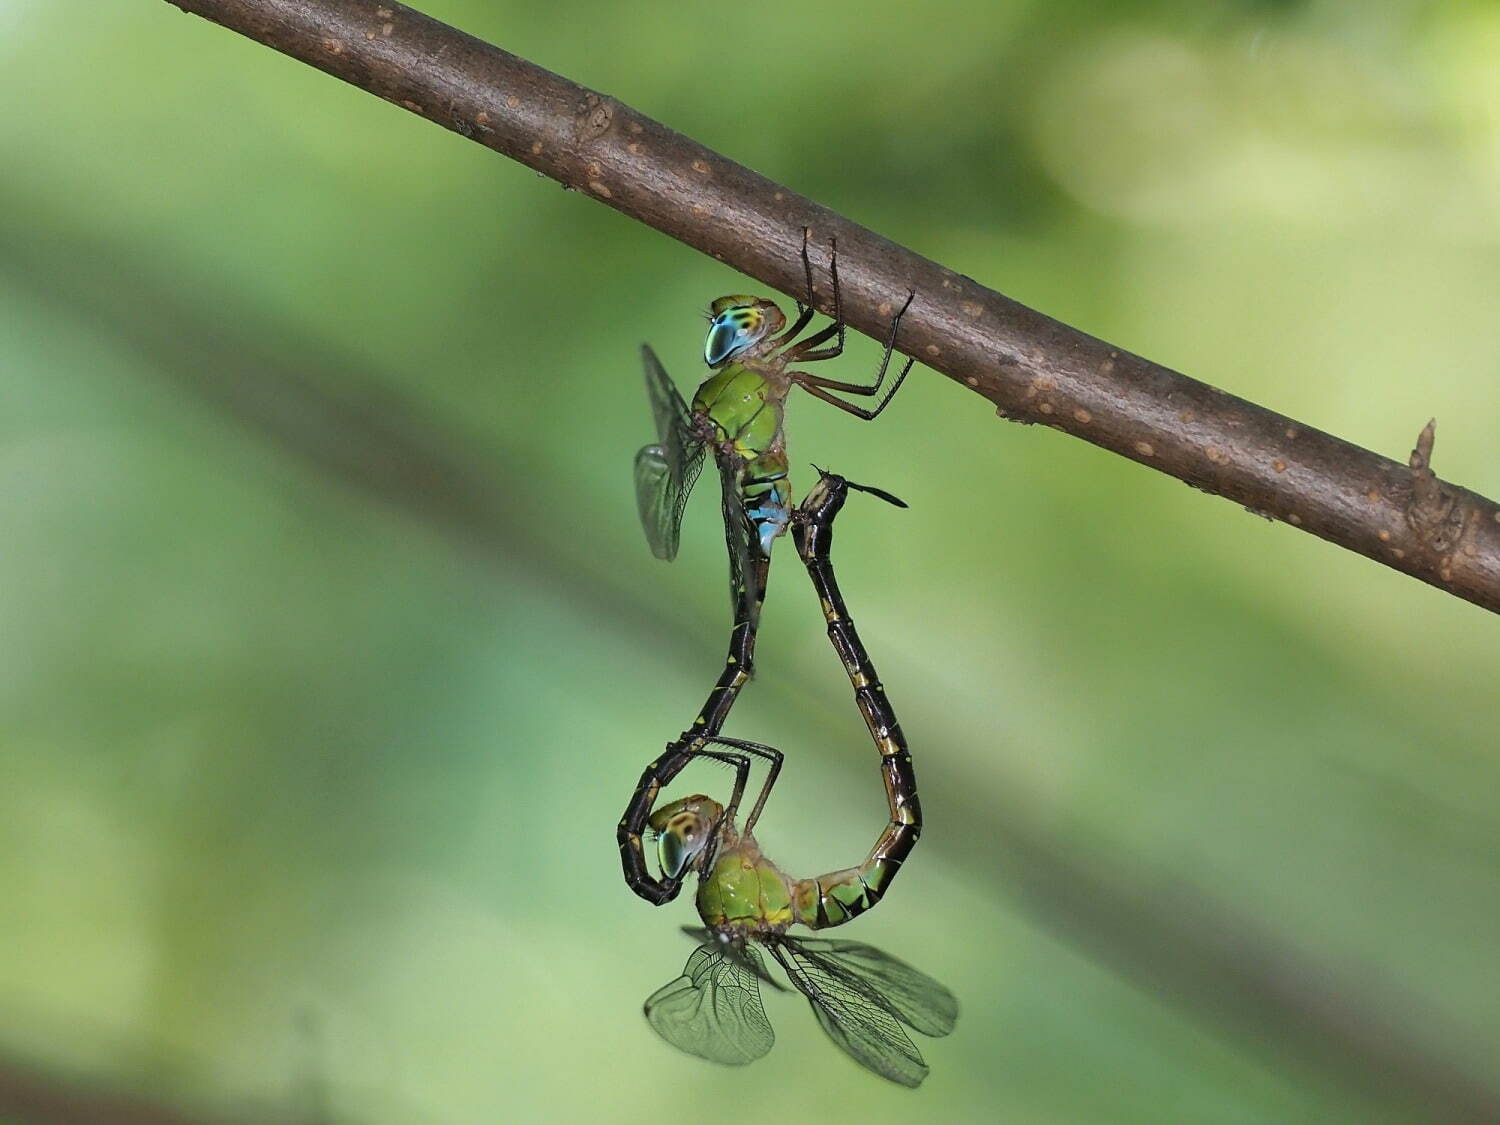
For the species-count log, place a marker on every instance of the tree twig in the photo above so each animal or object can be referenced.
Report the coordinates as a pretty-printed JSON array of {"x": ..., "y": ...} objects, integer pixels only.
[{"x": 1033, "y": 368}]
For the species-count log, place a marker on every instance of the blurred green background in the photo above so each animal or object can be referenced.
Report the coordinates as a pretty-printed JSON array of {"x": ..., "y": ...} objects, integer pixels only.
[{"x": 330, "y": 648}]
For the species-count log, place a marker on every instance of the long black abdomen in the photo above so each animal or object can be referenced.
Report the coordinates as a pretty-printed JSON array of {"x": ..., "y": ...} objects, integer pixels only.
[{"x": 831, "y": 899}]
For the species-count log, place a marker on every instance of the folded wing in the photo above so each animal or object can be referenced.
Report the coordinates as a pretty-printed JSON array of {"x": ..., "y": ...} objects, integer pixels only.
[
  {"x": 846, "y": 983},
  {"x": 714, "y": 1009},
  {"x": 666, "y": 471}
]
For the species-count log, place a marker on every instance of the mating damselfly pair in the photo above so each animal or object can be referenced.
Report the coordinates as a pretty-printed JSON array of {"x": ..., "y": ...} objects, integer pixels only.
[{"x": 860, "y": 996}]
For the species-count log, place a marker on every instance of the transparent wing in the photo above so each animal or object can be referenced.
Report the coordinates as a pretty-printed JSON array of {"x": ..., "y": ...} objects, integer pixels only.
[
  {"x": 909, "y": 994},
  {"x": 755, "y": 964},
  {"x": 666, "y": 472},
  {"x": 852, "y": 1013},
  {"x": 748, "y": 567},
  {"x": 713, "y": 1010}
]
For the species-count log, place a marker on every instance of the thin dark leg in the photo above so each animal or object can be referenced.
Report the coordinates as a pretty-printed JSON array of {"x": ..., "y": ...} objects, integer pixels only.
[
  {"x": 741, "y": 766},
  {"x": 890, "y": 346},
  {"x": 816, "y": 389},
  {"x": 804, "y": 312},
  {"x": 800, "y": 353},
  {"x": 820, "y": 387},
  {"x": 806, "y": 277},
  {"x": 804, "y": 350},
  {"x": 885, "y": 359},
  {"x": 774, "y": 756}
]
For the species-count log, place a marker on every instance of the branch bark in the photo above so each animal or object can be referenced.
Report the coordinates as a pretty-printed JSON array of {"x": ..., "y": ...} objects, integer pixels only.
[{"x": 1033, "y": 368}]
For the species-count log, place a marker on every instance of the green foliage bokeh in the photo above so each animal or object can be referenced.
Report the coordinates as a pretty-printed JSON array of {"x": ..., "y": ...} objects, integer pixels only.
[{"x": 307, "y": 804}]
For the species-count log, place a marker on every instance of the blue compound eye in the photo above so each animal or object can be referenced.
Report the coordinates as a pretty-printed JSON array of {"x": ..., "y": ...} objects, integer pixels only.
[
  {"x": 723, "y": 337},
  {"x": 682, "y": 841},
  {"x": 673, "y": 855},
  {"x": 734, "y": 328}
]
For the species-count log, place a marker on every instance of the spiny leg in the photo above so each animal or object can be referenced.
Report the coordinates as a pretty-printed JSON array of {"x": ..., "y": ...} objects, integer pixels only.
[
  {"x": 739, "y": 759},
  {"x": 805, "y": 351},
  {"x": 867, "y": 414},
  {"x": 771, "y": 754},
  {"x": 820, "y": 387},
  {"x": 804, "y": 312},
  {"x": 890, "y": 344},
  {"x": 741, "y": 766}
]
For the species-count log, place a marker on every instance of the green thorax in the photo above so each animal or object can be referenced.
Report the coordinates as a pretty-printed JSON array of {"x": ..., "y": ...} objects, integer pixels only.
[
  {"x": 745, "y": 407},
  {"x": 745, "y": 892}
]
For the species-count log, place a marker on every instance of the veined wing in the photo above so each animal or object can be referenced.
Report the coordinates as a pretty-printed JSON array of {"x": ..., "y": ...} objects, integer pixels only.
[
  {"x": 748, "y": 566},
  {"x": 714, "y": 1010},
  {"x": 665, "y": 472},
  {"x": 745, "y": 953},
  {"x": 852, "y": 1013},
  {"x": 909, "y": 994}
]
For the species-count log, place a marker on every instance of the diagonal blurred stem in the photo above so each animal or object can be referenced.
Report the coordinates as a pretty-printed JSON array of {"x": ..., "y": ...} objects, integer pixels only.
[
  {"x": 1033, "y": 368},
  {"x": 33, "y": 1094},
  {"x": 1226, "y": 971}
]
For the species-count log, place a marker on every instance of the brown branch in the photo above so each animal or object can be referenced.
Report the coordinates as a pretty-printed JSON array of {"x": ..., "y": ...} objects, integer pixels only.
[{"x": 1031, "y": 367}]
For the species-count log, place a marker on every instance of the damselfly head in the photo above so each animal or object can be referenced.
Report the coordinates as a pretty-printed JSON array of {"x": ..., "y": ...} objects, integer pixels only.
[
  {"x": 684, "y": 830},
  {"x": 736, "y": 324}
]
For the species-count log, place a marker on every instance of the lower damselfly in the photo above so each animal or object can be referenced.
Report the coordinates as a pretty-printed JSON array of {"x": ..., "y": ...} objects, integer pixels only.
[{"x": 861, "y": 996}]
